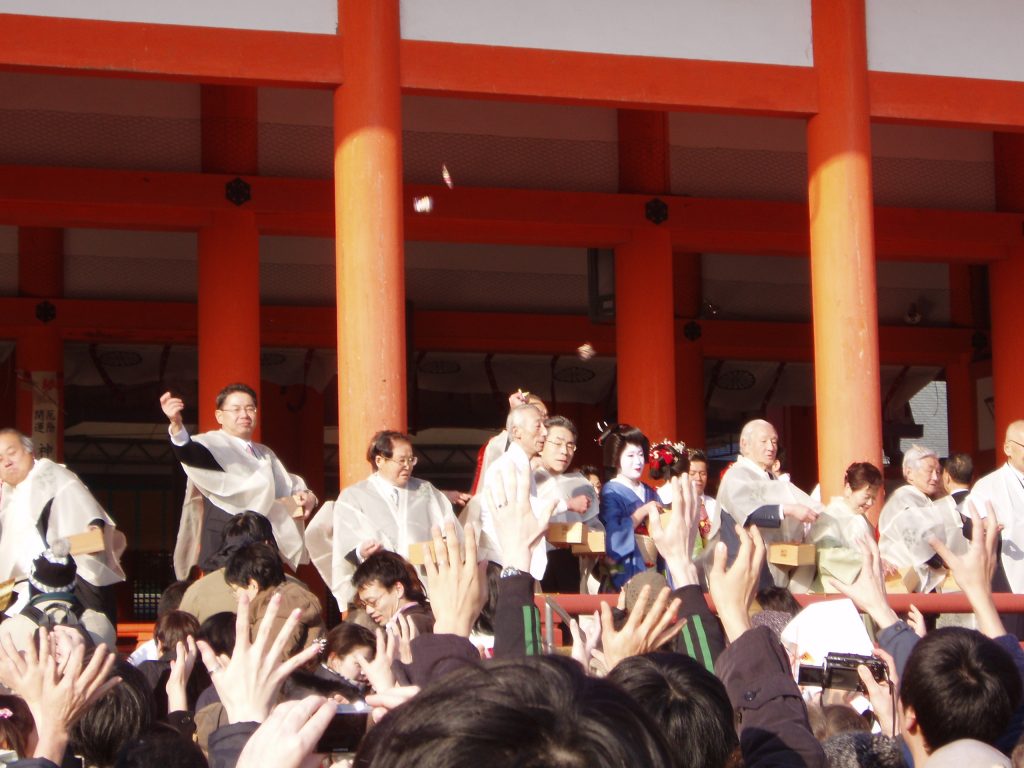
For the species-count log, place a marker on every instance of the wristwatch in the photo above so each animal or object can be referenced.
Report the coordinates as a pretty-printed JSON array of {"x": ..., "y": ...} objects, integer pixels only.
[{"x": 508, "y": 571}]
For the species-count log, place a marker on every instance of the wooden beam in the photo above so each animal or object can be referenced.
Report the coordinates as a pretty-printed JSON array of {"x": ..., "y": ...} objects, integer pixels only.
[
  {"x": 89, "y": 197},
  {"x": 102, "y": 321},
  {"x": 168, "y": 51}
]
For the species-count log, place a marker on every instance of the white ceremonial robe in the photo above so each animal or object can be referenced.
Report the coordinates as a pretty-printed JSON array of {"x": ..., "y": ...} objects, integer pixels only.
[
  {"x": 1005, "y": 489},
  {"x": 835, "y": 535},
  {"x": 480, "y": 507},
  {"x": 745, "y": 488},
  {"x": 363, "y": 513},
  {"x": 73, "y": 508},
  {"x": 562, "y": 488},
  {"x": 247, "y": 483},
  {"x": 908, "y": 519}
]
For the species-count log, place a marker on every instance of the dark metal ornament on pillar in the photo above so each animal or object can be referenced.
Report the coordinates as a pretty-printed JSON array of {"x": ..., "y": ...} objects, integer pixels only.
[
  {"x": 656, "y": 210},
  {"x": 238, "y": 191}
]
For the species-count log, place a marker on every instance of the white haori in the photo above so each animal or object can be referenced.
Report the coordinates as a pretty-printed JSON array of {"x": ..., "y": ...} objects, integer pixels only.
[
  {"x": 73, "y": 508},
  {"x": 909, "y": 518},
  {"x": 247, "y": 483},
  {"x": 363, "y": 513},
  {"x": 1005, "y": 489}
]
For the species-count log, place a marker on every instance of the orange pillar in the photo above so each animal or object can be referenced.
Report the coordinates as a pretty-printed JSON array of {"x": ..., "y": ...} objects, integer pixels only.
[
  {"x": 961, "y": 406},
  {"x": 844, "y": 300},
  {"x": 368, "y": 221},
  {"x": 645, "y": 333},
  {"x": 1006, "y": 278},
  {"x": 39, "y": 349},
  {"x": 690, "y": 415},
  {"x": 644, "y": 300},
  {"x": 228, "y": 323}
]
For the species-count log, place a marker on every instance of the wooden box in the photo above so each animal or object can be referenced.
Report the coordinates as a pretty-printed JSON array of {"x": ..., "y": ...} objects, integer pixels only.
[
  {"x": 902, "y": 583},
  {"x": 418, "y": 552},
  {"x": 565, "y": 533},
  {"x": 593, "y": 543},
  {"x": 791, "y": 555},
  {"x": 88, "y": 543}
]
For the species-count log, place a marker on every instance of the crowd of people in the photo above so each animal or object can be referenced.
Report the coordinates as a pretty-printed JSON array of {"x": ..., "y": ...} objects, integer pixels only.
[{"x": 435, "y": 655}]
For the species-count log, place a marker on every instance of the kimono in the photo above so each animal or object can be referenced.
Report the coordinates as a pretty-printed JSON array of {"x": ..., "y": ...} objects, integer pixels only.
[{"x": 618, "y": 503}]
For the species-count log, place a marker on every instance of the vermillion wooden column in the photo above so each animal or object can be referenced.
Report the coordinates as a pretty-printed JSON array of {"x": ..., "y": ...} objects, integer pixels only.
[
  {"x": 644, "y": 311},
  {"x": 846, "y": 368},
  {"x": 228, "y": 320},
  {"x": 368, "y": 220},
  {"x": 690, "y": 414},
  {"x": 39, "y": 348},
  {"x": 961, "y": 405},
  {"x": 1006, "y": 282}
]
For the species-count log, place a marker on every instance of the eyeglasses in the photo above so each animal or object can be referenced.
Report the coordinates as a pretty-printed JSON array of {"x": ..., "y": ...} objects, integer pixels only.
[
  {"x": 235, "y": 410},
  {"x": 560, "y": 443},
  {"x": 408, "y": 461},
  {"x": 371, "y": 602},
  {"x": 1011, "y": 440}
]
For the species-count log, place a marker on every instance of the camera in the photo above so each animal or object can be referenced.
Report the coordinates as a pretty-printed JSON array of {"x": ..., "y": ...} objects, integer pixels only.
[
  {"x": 840, "y": 671},
  {"x": 346, "y": 729}
]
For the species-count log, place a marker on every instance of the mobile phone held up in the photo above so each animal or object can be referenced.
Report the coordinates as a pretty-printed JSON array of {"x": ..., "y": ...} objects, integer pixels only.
[{"x": 346, "y": 729}]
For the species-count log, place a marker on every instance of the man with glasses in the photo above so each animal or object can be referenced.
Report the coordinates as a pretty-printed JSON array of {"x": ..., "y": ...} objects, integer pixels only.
[
  {"x": 229, "y": 474},
  {"x": 1004, "y": 489},
  {"x": 577, "y": 501},
  {"x": 390, "y": 510}
]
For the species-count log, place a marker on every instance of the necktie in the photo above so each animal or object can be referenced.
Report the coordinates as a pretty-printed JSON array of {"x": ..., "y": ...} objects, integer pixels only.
[{"x": 252, "y": 450}]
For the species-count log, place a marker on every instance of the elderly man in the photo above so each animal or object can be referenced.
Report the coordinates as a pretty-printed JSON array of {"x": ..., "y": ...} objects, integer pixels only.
[
  {"x": 527, "y": 433},
  {"x": 751, "y": 495},
  {"x": 390, "y": 510},
  {"x": 41, "y": 502},
  {"x": 911, "y": 516},
  {"x": 1004, "y": 489},
  {"x": 229, "y": 474},
  {"x": 497, "y": 445},
  {"x": 576, "y": 502}
]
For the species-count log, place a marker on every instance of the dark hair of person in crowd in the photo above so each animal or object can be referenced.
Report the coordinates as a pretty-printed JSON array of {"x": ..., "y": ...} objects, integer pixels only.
[
  {"x": 17, "y": 726},
  {"x": 383, "y": 444},
  {"x": 858, "y": 749},
  {"x": 689, "y": 705},
  {"x": 696, "y": 454},
  {"x": 161, "y": 746},
  {"x": 538, "y": 711},
  {"x": 485, "y": 620},
  {"x": 960, "y": 467},
  {"x": 589, "y": 470},
  {"x": 961, "y": 685},
  {"x": 832, "y": 719},
  {"x": 170, "y": 598},
  {"x": 666, "y": 460},
  {"x": 241, "y": 530},
  {"x": 172, "y": 628},
  {"x": 861, "y": 474},
  {"x": 346, "y": 637},
  {"x": 564, "y": 423},
  {"x": 614, "y": 441},
  {"x": 256, "y": 562},
  {"x": 390, "y": 569},
  {"x": 230, "y": 389},
  {"x": 777, "y": 599},
  {"x": 219, "y": 631},
  {"x": 125, "y": 711}
]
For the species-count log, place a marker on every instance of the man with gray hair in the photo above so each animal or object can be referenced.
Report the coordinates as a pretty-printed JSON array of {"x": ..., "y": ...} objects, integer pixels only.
[
  {"x": 750, "y": 494},
  {"x": 41, "y": 502},
  {"x": 526, "y": 433},
  {"x": 914, "y": 513}
]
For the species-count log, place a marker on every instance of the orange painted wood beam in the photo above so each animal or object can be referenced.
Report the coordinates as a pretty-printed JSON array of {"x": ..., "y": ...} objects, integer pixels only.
[
  {"x": 168, "y": 51},
  {"x": 643, "y": 82},
  {"x": 955, "y": 101},
  {"x": 102, "y": 321},
  {"x": 91, "y": 197}
]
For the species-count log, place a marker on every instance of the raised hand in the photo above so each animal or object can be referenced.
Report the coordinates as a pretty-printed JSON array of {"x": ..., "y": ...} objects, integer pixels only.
[
  {"x": 378, "y": 672},
  {"x": 644, "y": 630},
  {"x": 248, "y": 681},
  {"x": 516, "y": 526},
  {"x": 675, "y": 539},
  {"x": 868, "y": 590},
  {"x": 181, "y": 669},
  {"x": 456, "y": 582},
  {"x": 172, "y": 407},
  {"x": 286, "y": 739},
  {"x": 733, "y": 588}
]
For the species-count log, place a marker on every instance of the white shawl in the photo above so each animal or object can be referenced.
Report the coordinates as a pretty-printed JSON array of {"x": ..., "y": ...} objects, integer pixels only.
[
  {"x": 1004, "y": 489},
  {"x": 362, "y": 513},
  {"x": 247, "y": 483}
]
